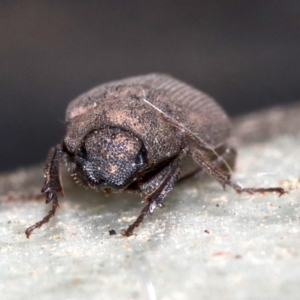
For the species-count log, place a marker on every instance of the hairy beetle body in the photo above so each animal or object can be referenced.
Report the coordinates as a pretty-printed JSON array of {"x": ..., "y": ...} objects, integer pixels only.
[{"x": 141, "y": 134}]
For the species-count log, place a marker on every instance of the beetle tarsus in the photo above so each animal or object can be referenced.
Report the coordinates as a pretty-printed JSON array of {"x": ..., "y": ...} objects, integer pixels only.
[
  {"x": 251, "y": 191},
  {"x": 130, "y": 230},
  {"x": 225, "y": 179},
  {"x": 45, "y": 220}
]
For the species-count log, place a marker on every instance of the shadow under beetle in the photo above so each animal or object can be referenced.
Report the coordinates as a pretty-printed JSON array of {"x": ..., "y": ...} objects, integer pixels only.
[{"x": 142, "y": 134}]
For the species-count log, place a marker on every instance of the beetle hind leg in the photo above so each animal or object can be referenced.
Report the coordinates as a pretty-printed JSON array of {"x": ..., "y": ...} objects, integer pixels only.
[
  {"x": 224, "y": 158},
  {"x": 224, "y": 178}
]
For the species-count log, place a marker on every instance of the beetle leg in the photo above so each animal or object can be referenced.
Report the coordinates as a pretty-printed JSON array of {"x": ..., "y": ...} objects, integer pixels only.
[
  {"x": 51, "y": 187},
  {"x": 166, "y": 179},
  {"x": 225, "y": 178},
  {"x": 225, "y": 161}
]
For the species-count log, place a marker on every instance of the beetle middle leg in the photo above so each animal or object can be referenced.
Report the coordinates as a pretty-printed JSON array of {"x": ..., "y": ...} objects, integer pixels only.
[
  {"x": 165, "y": 180},
  {"x": 224, "y": 158},
  {"x": 225, "y": 178}
]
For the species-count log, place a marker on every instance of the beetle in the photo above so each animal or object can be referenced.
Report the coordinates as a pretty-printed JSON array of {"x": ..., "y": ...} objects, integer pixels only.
[{"x": 142, "y": 134}]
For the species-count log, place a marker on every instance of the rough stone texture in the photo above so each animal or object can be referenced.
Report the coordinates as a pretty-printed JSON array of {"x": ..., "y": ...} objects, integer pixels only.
[{"x": 205, "y": 243}]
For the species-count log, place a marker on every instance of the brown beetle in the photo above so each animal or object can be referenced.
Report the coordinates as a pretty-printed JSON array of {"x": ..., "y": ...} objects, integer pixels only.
[{"x": 142, "y": 134}]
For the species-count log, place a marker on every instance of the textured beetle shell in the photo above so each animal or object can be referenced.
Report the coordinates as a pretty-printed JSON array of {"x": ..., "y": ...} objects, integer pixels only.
[
  {"x": 193, "y": 109},
  {"x": 159, "y": 137},
  {"x": 125, "y": 103}
]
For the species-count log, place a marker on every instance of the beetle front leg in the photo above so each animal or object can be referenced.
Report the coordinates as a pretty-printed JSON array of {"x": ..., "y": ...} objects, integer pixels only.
[
  {"x": 225, "y": 178},
  {"x": 51, "y": 187},
  {"x": 166, "y": 179}
]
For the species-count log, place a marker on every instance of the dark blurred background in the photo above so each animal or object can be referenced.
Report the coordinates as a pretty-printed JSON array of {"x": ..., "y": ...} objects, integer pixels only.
[{"x": 246, "y": 54}]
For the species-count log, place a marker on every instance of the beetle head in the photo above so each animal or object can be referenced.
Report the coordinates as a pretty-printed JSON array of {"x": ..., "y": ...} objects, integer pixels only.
[{"x": 110, "y": 159}]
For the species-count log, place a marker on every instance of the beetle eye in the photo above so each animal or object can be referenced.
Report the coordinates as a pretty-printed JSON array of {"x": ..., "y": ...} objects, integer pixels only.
[
  {"x": 82, "y": 152},
  {"x": 141, "y": 157}
]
